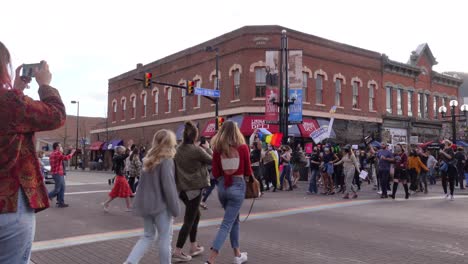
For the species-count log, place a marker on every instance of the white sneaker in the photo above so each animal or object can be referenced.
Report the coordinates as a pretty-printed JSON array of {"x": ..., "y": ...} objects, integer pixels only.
[
  {"x": 452, "y": 198},
  {"x": 241, "y": 259},
  {"x": 379, "y": 192},
  {"x": 446, "y": 196}
]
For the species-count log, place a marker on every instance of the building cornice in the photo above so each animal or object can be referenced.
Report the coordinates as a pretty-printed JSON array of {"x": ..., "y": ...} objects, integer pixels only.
[
  {"x": 447, "y": 80},
  {"x": 400, "y": 68}
]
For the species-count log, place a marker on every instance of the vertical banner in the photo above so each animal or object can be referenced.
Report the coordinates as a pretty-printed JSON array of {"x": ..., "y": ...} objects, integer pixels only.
[
  {"x": 295, "y": 86},
  {"x": 272, "y": 87},
  {"x": 332, "y": 119}
]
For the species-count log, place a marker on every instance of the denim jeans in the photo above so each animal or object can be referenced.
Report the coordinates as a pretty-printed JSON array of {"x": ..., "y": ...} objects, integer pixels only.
[
  {"x": 286, "y": 172},
  {"x": 313, "y": 181},
  {"x": 384, "y": 175},
  {"x": 231, "y": 199},
  {"x": 59, "y": 189},
  {"x": 207, "y": 191},
  {"x": 154, "y": 226},
  {"x": 17, "y": 233}
]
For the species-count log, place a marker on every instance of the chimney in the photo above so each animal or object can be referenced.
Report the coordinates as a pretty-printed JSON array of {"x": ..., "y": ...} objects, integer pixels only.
[{"x": 139, "y": 65}]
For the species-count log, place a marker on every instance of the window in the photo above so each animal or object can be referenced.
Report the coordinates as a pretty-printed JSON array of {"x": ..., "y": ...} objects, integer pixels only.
[
  {"x": 260, "y": 82},
  {"x": 319, "y": 89},
  {"x": 143, "y": 105},
  {"x": 133, "y": 102},
  {"x": 197, "y": 98},
  {"x": 305, "y": 83},
  {"x": 338, "y": 92},
  {"x": 426, "y": 106},
  {"x": 183, "y": 98},
  {"x": 168, "y": 92},
  {"x": 124, "y": 107},
  {"x": 399, "y": 102},
  {"x": 156, "y": 102},
  {"x": 444, "y": 101},
  {"x": 435, "y": 107},
  {"x": 236, "y": 84},
  {"x": 372, "y": 97},
  {"x": 114, "y": 111},
  {"x": 356, "y": 94},
  {"x": 420, "y": 105},
  {"x": 388, "y": 99},
  {"x": 410, "y": 103}
]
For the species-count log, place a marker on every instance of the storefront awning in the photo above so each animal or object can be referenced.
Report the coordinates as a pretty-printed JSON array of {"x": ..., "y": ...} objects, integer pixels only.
[
  {"x": 96, "y": 145},
  {"x": 110, "y": 145},
  {"x": 250, "y": 123},
  {"x": 307, "y": 127}
]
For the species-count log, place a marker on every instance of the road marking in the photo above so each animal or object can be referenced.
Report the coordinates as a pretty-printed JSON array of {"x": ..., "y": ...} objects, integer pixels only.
[{"x": 121, "y": 234}]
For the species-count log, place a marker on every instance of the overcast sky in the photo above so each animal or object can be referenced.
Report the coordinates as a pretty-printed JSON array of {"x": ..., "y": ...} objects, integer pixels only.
[{"x": 87, "y": 42}]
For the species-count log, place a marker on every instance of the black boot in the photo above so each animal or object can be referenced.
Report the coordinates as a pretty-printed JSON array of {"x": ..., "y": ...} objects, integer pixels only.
[
  {"x": 395, "y": 188},
  {"x": 406, "y": 190}
]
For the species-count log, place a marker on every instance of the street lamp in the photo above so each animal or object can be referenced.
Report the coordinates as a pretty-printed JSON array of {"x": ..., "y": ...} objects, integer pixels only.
[
  {"x": 77, "y": 124},
  {"x": 211, "y": 49},
  {"x": 453, "y": 104}
]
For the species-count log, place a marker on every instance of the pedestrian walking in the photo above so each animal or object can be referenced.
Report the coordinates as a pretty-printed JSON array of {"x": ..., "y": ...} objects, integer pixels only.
[
  {"x": 270, "y": 164},
  {"x": 448, "y": 156},
  {"x": 431, "y": 165},
  {"x": 121, "y": 188},
  {"x": 401, "y": 171},
  {"x": 231, "y": 163},
  {"x": 385, "y": 157},
  {"x": 350, "y": 165},
  {"x": 298, "y": 162},
  {"x": 286, "y": 162},
  {"x": 23, "y": 191},
  {"x": 460, "y": 156},
  {"x": 192, "y": 161},
  {"x": 327, "y": 171},
  {"x": 157, "y": 200},
  {"x": 208, "y": 190},
  {"x": 56, "y": 160},
  {"x": 135, "y": 169},
  {"x": 415, "y": 167},
  {"x": 255, "y": 157},
  {"x": 315, "y": 161}
]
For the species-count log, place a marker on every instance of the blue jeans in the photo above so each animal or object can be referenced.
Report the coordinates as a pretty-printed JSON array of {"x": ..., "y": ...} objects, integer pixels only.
[
  {"x": 17, "y": 233},
  {"x": 231, "y": 199},
  {"x": 207, "y": 191},
  {"x": 384, "y": 175},
  {"x": 59, "y": 189},
  {"x": 313, "y": 181},
  {"x": 154, "y": 226},
  {"x": 286, "y": 172}
]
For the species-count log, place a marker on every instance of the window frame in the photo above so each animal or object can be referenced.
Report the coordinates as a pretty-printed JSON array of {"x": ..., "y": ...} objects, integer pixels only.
[
  {"x": 339, "y": 94},
  {"x": 389, "y": 100},
  {"x": 319, "y": 88},
  {"x": 236, "y": 87},
  {"x": 260, "y": 87},
  {"x": 355, "y": 98},
  {"x": 410, "y": 98}
]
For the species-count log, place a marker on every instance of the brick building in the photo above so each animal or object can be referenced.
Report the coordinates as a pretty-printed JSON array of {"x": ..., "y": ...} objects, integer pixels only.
[{"x": 365, "y": 85}]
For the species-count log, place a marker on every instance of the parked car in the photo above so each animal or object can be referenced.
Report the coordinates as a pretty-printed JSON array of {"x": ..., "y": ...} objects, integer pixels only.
[{"x": 46, "y": 170}]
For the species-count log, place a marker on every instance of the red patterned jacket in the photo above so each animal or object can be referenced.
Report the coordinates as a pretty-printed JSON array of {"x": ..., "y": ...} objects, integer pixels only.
[{"x": 20, "y": 117}]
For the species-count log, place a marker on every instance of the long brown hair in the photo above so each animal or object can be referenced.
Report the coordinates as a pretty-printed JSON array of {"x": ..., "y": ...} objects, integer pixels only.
[
  {"x": 164, "y": 142},
  {"x": 190, "y": 133},
  {"x": 228, "y": 136},
  {"x": 5, "y": 67}
]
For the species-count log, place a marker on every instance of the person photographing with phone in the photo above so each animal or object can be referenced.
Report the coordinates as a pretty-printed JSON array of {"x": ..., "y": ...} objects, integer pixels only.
[{"x": 23, "y": 191}]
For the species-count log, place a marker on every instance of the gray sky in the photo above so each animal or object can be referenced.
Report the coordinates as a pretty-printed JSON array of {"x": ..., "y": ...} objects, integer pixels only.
[{"x": 87, "y": 42}]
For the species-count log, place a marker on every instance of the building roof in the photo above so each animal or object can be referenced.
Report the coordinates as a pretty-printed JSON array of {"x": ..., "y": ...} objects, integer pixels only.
[{"x": 415, "y": 55}]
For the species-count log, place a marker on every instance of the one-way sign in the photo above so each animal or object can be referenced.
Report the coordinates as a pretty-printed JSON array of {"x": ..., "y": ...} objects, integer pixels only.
[{"x": 207, "y": 92}]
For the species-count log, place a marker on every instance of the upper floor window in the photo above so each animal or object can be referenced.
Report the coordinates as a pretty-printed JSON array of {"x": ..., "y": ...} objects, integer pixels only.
[
  {"x": 372, "y": 97},
  {"x": 356, "y": 94},
  {"x": 338, "y": 99},
  {"x": 399, "y": 102},
  {"x": 305, "y": 84},
  {"x": 143, "y": 104},
  {"x": 319, "y": 89},
  {"x": 420, "y": 105},
  {"x": 388, "y": 100},
  {"x": 156, "y": 102},
  {"x": 410, "y": 103},
  {"x": 114, "y": 111},
  {"x": 183, "y": 98},
  {"x": 197, "y": 98},
  {"x": 236, "y": 84},
  {"x": 260, "y": 82},
  {"x": 168, "y": 94},
  {"x": 436, "y": 107},
  {"x": 124, "y": 108},
  {"x": 133, "y": 102},
  {"x": 426, "y": 105}
]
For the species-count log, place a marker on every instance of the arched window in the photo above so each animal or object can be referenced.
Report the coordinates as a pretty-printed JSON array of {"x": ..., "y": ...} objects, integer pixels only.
[
  {"x": 123, "y": 102},
  {"x": 260, "y": 82},
  {"x": 114, "y": 110},
  {"x": 183, "y": 97},
  {"x": 168, "y": 94},
  {"x": 143, "y": 103},
  {"x": 133, "y": 103},
  {"x": 155, "y": 93},
  {"x": 357, "y": 83}
]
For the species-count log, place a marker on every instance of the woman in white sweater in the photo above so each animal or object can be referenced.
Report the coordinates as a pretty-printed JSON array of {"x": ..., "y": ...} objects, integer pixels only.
[{"x": 350, "y": 165}]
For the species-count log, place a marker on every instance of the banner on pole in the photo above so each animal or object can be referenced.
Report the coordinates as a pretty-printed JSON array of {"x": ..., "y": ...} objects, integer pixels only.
[
  {"x": 295, "y": 86},
  {"x": 272, "y": 87},
  {"x": 295, "y": 110}
]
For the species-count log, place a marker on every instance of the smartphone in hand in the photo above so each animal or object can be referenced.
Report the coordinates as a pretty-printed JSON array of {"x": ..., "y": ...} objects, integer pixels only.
[{"x": 28, "y": 69}]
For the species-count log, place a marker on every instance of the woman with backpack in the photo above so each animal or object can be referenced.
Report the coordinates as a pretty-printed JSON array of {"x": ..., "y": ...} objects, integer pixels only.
[
  {"x": 156, "y": 201},
  {"x": 231, "y": 163}
]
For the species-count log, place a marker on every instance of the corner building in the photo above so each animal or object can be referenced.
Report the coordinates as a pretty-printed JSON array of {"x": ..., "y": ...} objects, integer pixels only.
[{"x": 351, "y": 78}]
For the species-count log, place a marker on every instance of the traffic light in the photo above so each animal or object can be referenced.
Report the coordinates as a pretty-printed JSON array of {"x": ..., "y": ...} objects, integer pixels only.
[
  {"x": 148, "y": 82},
  {"x": 190, "y": 89},
  {"x": 220, "y": 121}
]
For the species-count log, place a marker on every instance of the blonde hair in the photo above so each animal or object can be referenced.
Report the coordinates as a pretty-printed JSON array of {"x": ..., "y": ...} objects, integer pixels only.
[
  {"x": 164, "y": 142},
  {"x": 228, "y": 136}
]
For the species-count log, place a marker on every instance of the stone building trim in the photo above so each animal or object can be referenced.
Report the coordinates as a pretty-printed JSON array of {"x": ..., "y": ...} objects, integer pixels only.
[
  {"x": 235, "y": 67},
  {"x": 213, "y": 74},
  {"x": 356, "y": 79},
  {"x": 123, "y": 102},
  {"x": 339, "y": 76},
  {"x": 258, "y": 64},
  {"x": 321, "y": 72},
  {"x": 308, "y": 71},
  {"x": 198, "y": 78},
  {"x": 372, "y": 82}
]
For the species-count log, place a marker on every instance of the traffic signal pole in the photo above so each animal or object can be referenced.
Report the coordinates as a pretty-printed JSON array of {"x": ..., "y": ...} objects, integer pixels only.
[{"x": 217, "y": 88}]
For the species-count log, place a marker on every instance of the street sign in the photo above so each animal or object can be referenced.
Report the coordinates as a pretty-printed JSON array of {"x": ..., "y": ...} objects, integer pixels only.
[{"x": 207, "y": 92}]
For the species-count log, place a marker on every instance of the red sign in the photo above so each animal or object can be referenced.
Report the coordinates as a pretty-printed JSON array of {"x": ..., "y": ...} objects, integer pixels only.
[
  {"x": 308, "y": 126},
  {"x": 250, "y": 123},
  {"x": 210, "y": 129},
  {"x": 308, "y": 148}
]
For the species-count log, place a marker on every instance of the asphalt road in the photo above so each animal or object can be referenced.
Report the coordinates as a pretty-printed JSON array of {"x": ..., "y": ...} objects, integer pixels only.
[{"x": 285, "y": 227}]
